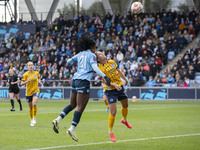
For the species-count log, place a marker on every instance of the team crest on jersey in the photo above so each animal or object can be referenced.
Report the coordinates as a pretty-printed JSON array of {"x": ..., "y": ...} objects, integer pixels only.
[
  {"x": 35, "y": 76},
  {"x": 94, "y": 58},
  {"x": 112, "y": 65}
]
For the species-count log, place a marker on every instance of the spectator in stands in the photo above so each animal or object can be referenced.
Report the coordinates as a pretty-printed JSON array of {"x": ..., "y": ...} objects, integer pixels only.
[
  {"x": 194, "y": 84},
  {"x": 170, "y": 79},
  {"x": 150, "y": 82},
  {"x": 136, "y": 81},
  {"x": 183, "y": 84}
]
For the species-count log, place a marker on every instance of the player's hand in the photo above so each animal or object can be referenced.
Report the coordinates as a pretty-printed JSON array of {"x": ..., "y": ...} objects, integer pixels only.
[
  {"x": 125, "y": 84},
  {"x": 12, "y": 83},
  {"x": 29, "y": 79},
  {"x": 107, "y": 80},
  {"x": 40, "y": 83},
  {"x": 119, "y": 88}
]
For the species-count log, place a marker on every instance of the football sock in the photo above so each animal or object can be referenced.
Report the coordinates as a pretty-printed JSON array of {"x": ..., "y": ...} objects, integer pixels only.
[
  {"x": 76, "y": 119},
  {"x": 106, "y": 103},
  {"x": 19, "y": 101},
  {"x": 34, "y": 111},
  {"x": 72, "y": 128},
  {"x": 124, "y": 112},
  {"x": 111, "y": 120},
  {"x": 65, "y": 111},
  {"x": 12, "y": 103},
  {"x": 31, "y": 113}
]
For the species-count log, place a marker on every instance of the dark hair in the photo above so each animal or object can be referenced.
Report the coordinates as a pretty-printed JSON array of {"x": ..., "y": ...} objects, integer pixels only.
[{"x": 85, "y": 42}]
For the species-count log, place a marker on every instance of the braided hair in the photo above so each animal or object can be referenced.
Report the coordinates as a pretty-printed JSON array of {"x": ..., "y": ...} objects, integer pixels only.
[{"x": 85, "y": 42}]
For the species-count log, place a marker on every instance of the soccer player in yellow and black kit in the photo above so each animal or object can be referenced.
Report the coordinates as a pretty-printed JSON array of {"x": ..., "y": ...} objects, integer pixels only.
[
  {"x": 114, "y": 92},
  {"x": 31, "y": 79}
]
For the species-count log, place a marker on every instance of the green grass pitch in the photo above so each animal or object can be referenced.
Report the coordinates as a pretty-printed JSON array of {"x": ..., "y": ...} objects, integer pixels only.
[{"x": 157, "y": 125}]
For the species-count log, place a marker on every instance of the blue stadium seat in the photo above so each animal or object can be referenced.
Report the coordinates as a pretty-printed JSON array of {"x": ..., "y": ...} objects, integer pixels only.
[
  {"x": 27, "y": 35},
  {"x": 171, "y": 55},
  {"x": 138, "y": 59}
]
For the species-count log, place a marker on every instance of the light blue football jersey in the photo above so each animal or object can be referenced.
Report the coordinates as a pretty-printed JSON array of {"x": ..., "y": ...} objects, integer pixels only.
[{"x": 85, "y": 60}]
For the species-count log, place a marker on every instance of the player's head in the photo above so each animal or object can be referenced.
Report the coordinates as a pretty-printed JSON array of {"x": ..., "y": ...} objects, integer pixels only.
[
  {"x": 85, "y": 43},
  {"x": 100, "y": 57},
  {"x": 10, "y": 72},
  {"x": 30, "y": 65}
]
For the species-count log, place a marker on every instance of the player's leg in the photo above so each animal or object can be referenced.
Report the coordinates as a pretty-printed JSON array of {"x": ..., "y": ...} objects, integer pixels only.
[
  {"x": 124, "y": 112},
  {"x": 30, "y": 104},
  {"x": 18, "y": 99},
  {"x": 65, "y": 111},
  {"x": 11, "y": 95},
  {"x": 105, "y": 102},
  {"x": 34, "y": 103},
  {"x": 111, "y": 120},
  {"x": 82, "y": 100}
]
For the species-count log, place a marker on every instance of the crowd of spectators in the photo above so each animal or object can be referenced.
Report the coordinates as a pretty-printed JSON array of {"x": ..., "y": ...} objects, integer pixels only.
[{"x": 140, "y": 45}]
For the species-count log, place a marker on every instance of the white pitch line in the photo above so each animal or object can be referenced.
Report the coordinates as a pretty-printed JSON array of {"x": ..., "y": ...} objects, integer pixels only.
[{"x": 129, "y": 140}]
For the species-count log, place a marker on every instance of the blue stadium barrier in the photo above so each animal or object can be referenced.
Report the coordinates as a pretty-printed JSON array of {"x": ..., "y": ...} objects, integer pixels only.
[{"x": 143, "y": 93}]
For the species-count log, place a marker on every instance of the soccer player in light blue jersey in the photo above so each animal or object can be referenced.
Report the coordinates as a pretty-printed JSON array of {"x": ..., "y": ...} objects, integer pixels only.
[{"x": 80, "y": 83}]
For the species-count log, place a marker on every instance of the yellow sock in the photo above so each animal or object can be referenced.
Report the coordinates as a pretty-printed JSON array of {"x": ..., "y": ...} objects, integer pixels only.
[
  {"x": 31, "y": 113},
  {"x": 124, "y": 112},
  {"x": 106, "y": 103},
  {"x": 34, "y": 111},
  {"x": 111, "y": 120}
]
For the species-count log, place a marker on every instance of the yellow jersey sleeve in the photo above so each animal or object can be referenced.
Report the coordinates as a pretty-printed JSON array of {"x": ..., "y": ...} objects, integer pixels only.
[{"x": 25, "y": 77}]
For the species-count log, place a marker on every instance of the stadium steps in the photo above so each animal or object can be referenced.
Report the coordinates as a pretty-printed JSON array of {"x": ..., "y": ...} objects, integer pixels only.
[{"x": 181, "y": 54}]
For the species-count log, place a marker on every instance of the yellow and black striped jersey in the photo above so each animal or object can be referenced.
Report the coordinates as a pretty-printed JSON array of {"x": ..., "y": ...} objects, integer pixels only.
[{"x": 110, "y": 70}]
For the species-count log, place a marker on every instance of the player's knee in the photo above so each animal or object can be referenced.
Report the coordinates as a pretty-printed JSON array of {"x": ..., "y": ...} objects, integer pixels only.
[
  {"x": 73, "y": 106},
  {"x": 113, "y": 113}
]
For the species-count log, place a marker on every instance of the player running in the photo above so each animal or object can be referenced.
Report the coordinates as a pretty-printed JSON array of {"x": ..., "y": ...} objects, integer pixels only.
[
  {"x": 80, "y": 83},
  {"x": 114, "y": 91},
  {"x": 31, "y": 79},
  {"x": 12, "y": 82}
]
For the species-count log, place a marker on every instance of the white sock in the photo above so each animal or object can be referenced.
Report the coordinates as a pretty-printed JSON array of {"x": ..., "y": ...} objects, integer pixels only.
[
  {"x": 34, "y": 118},
  {"x": 72, "y": 128},
  {"x": 110, "y": 131},
  {"x": 59, "y": 119},
  {"x": 124, "y": 120}
]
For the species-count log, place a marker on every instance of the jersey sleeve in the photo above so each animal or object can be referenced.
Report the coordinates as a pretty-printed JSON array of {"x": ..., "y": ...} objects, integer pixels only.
[
  {"x": 75, "y": 58},
  {"x": 24, "y": 77},
  {"x": 93, "y": 59}
]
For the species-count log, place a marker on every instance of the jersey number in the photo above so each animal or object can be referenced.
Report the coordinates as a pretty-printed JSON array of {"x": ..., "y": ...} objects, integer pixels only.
[{"x": 83, "y": 61}]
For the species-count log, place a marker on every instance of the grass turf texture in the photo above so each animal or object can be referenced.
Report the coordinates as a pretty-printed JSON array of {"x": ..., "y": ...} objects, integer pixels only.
[{"x": 148, "y": 118}]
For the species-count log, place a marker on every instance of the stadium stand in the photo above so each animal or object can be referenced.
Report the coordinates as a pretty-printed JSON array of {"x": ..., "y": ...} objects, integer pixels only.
[{"x": 142, "y": 45}]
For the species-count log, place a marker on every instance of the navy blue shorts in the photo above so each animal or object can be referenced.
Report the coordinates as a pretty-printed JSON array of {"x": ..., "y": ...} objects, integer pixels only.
[
  {"x": 30, "y": 98},
  {"x": 80, "y": 86},
  {"x": 113, "y": 95}
]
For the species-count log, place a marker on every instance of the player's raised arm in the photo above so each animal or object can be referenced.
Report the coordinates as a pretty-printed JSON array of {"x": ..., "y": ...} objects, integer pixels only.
[{"x": 123, "y": 77}]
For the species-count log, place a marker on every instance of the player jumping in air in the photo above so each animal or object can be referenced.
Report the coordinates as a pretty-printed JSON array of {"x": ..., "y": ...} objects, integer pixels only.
[{"x": 80, "y": 83}]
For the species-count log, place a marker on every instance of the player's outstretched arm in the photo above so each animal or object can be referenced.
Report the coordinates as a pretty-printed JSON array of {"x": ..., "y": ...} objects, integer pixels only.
[{"x": 24, "y": 82}]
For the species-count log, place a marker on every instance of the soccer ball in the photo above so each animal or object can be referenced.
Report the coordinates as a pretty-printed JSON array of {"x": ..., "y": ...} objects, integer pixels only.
[
  {"x": 134, "y": 99},
  {"x": 136, "y": 7}
]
